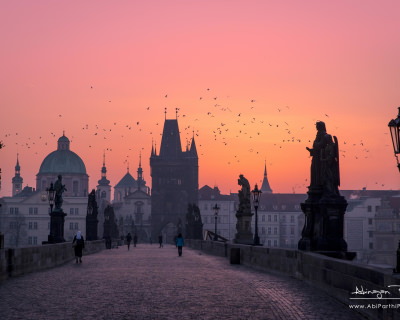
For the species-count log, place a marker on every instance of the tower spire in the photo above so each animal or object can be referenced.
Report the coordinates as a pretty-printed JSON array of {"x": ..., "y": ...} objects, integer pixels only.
[
  {"x": 17, "y": 179},
  {"x": 265, "y": 188}
]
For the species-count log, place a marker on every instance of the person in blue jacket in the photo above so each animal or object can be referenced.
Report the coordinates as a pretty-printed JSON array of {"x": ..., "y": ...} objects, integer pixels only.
[{"x": 180, "y": 243}]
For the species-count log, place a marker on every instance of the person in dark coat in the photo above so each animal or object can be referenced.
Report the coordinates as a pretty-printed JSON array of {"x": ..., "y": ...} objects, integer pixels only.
[
  {"x": 79, "y": 244},
  {"x": 160, "y": 240},
  {"x": 134, "y": 240},
  {"x": 129, "y": 239},
  {"x": 180, "y": 243}
]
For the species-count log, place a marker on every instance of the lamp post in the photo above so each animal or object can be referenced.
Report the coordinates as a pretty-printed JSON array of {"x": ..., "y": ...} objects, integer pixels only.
[
  {"x": 394, "y": 126},
  {"x": 256, "y": 200},
  {"x": 216, "y": 209},
  {"x": 53, "y": 224}
]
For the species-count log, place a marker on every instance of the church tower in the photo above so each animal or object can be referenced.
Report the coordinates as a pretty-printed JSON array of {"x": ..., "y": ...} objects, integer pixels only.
[
  {"x": 103, "y": 188},
  {"x": 265, "y": 188},
  {"x": 17, "y": 179},
  {"x": 175, "y": 175}
]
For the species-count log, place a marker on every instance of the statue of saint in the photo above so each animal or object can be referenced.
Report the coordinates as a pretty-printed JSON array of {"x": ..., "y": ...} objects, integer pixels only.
[
  {"x": 330, "y": 167},
  {"x": 244, "y": 194},
  {"x": 315, "y": 152},
  {"x": 59, "y": 189}
]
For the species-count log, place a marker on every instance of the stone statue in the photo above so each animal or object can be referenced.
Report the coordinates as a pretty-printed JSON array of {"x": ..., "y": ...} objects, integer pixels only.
[
  {"x": 244, "y": 195},
  {"x": 92, "y": 203},
  {"x": 330, "y": 167},
  {"x": 59, "y": 189},
  {"x": 325, "y": 162},
  {"x": 315, "y": 152}
]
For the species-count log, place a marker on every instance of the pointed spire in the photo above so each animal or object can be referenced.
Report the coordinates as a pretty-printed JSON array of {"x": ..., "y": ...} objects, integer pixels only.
[
  {"x": 17, "y": 167},
  {"x": 265, "y": 188},
  {"x": 17, "y": 179},
  {"x": 140, "y": 173},
  {"x": 103, "y": 180},
  {"x": 193, "y": 149}
]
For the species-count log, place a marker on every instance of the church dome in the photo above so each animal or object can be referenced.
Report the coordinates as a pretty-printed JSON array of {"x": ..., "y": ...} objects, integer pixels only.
[{"x": 62, "y": 160}]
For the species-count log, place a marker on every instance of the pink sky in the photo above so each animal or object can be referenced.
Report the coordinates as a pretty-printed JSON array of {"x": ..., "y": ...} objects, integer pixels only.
[{"x": 81, "y": 66}]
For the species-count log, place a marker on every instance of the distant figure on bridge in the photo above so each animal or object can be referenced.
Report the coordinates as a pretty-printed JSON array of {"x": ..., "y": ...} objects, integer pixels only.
[
  {"x": 160, "y": 240},
  {"x": 78, "y": 244},
  {"x": 180, "y": 243},
  {"x": 135, "y": 240},
  {"x": 129, "y": 239}
]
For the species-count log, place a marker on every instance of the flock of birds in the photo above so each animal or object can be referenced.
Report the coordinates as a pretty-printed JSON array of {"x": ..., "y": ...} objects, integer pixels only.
[{"x": 213, "y": 119}]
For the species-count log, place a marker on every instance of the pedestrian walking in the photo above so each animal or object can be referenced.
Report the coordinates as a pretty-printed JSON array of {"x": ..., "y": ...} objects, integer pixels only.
[
  {"x": 78, "y": 244},
  {"x": 134, "y": 240},
  {"x": 129, "y": 239},
  {"x": 160, "y": 240},
  {"x": 180, "y": 243}
]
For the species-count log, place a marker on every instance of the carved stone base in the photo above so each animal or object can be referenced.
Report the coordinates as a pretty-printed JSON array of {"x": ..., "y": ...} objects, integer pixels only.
[
  {"x": 243, "y": 227},
  {"x": 323, "y": 227}
]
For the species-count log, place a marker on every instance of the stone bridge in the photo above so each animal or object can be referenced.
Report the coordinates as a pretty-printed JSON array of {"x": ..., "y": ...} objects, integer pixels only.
[{"x": 148, "y": 282}]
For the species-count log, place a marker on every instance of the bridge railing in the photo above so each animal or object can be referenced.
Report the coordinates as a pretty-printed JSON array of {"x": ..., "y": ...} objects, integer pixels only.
[
  {"x": 338, "y": 278},
  {"x": 18, "y": 261}
]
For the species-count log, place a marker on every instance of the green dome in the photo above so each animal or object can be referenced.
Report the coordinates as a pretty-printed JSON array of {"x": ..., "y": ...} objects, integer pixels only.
[{"x": 62, "y": 160}]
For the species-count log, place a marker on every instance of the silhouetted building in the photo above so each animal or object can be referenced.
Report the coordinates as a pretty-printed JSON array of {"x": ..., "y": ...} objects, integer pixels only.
[{"x": 174, "y": 182}]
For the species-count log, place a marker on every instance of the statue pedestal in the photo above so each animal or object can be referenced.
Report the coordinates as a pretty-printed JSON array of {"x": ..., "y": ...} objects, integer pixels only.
[
  {"x": 91, "y": 227},
  {"x": 323, "y": 227},
  {"x": 57, "y": 219},
  {"x": 243, "y": 227}
]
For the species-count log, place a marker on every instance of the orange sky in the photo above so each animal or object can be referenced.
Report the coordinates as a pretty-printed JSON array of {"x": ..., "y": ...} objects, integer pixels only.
[{"x": 94, "y": 68}]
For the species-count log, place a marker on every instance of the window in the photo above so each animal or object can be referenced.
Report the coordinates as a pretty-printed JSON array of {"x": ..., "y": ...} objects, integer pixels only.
[
  {"x": 76, "y": 211},
  {"x": 30, "y": 210},
  {"x": 369, "y": 208},
  {"x": 370, "y": 221},
  {"x": 30, "y": 224},
  {"x": 13, "y": 225},
  {"x": 269, "y": 230},
  {"x": 262, "y": 230},
  {"x": 71, "y": 211},
  {"x": 263, "y": 218},
  {"x": 35, "y": 225},
  {"x": 35, "y": 210},
  {"x": 283, "y": 218},
  {"x": 275, "y": 230},
  {"x": 292, "y": 219},
  {"x": 275, "y": 207},
  {"x": 103, "y": 194},
  {"x": 292, "y": 230},
  {"x": 370, "y": 234},
  {"x": 275, "y": 243},
  {"x": 71, "y": 226},
  {"x": 76, "y": 226},
  {"x": 371, "y": 245},
  {"x": 269, "y": 243},
  {"x": 275, "y": 218},
  {"x": 284, "y": 207},
  {"x": 269, "y": 218}
]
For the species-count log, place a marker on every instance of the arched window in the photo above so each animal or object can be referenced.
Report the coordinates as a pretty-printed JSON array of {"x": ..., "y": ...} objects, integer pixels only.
[{"x": 103, "y": 194}]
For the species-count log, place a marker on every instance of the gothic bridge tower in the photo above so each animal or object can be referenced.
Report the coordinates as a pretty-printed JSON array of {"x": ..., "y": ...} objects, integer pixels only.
[{"x": 175, "y": 182}]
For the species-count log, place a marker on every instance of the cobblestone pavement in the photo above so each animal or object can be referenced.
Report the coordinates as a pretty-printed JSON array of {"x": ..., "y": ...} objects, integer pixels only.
[{"x": 149, "y": 282}]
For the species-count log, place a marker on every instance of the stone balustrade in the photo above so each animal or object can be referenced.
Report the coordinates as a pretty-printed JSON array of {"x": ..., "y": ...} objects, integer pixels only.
[
  {"x": 339, "y": 278},
  {"x": 18, "y": 261}
]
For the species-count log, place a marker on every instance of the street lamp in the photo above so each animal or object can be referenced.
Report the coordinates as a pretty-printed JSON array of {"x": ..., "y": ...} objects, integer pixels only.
[
  {"x": 50, "y": 196},
  {"x": 256, "y": 200},
  {"x": 394, "y": 126},
  {"x": 216, "y": 209}
]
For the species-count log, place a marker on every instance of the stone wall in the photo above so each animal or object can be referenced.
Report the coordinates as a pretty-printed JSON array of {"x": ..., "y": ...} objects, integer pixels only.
[
  {"x": 18, "y": 261},
  {"x": 339, "y": 278}
]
